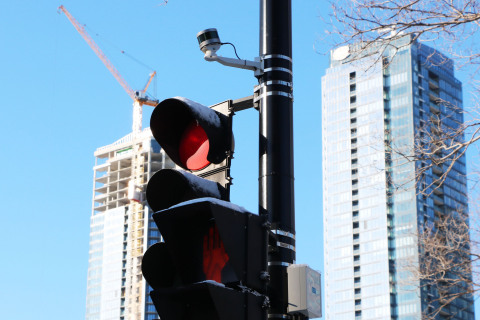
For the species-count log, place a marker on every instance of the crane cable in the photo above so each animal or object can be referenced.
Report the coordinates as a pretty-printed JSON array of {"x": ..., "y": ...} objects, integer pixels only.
[
  {"x": 110, "y": 43},
  {"x": 113, "y": 45}
]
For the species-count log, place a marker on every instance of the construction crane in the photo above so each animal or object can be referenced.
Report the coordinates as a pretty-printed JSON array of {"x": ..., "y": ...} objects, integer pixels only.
[
  {"x": 136, "y": 207},
  {"x": 139, "y": 97}
]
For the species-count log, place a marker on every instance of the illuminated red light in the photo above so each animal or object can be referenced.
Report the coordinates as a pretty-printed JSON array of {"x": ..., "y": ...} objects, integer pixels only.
[
  {"x": 214, "y": 255},
  {"x": 194, "y": 147}
]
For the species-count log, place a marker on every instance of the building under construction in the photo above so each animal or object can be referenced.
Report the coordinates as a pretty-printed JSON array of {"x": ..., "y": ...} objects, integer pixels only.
[{"x": 121, "y": 228}]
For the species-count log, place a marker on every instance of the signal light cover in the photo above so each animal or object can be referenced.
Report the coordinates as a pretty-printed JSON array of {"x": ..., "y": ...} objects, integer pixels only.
[{"x": 168, "y": 187}]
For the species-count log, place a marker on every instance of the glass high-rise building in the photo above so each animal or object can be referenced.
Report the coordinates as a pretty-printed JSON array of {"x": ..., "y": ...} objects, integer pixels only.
[
  {"x": 372, "y": 208},
  {"x": 121, "y": 228}
]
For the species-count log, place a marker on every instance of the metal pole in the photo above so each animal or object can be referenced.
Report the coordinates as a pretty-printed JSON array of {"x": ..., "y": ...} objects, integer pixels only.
[{"x": 276, "y": 191}]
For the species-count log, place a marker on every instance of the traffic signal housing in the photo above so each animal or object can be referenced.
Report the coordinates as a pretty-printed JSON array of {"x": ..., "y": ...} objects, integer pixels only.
[
  {"x": 212, "y": 263},
  {"x": 212, "y": 251},
  {"x": 191, "y": 134},
  {"x": 168, "y": 187}
]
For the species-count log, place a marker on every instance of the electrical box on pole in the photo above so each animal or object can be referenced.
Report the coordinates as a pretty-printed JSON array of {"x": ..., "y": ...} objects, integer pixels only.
[{"x": 304, "y": 291}]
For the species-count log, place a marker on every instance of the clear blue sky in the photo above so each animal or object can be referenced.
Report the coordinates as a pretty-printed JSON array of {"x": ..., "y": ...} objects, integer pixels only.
[{"x": 60, "y": 103}]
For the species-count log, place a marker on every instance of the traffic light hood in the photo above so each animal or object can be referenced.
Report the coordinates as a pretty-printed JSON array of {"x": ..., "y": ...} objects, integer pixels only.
[
  {"x": 173, "y": 117},
  {"x": 168, "y": 187}
]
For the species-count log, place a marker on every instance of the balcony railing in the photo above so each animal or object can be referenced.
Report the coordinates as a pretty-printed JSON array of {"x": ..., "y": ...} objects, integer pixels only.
[{"x": 434, "y": 108}]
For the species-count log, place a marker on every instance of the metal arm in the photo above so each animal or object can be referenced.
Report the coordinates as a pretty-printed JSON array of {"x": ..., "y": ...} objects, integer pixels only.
[{"x": 256, "y": 66}]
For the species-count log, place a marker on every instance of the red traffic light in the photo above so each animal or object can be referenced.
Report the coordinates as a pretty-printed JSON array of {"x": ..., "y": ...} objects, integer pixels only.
[
  {"x": 191, "y": 134},
  {"x": 212, "y": 249},
  {"x": 194, "y": 146}
]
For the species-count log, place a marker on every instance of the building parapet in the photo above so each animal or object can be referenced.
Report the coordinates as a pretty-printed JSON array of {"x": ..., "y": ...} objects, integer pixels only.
[{"x": 126, "y": 140}]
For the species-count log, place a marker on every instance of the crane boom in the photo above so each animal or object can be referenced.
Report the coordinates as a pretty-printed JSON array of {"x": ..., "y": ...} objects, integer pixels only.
[
  {"x": 139, "y": 97},
  {"x": 136, "y": 208},
  {"x": 99, "y": 53},
  {"x": 152, "y": 75},
  {"x": 142, "y": 97}
]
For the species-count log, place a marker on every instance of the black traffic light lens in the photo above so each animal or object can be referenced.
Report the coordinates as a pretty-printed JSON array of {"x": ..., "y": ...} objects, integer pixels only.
[{"x": 194, "y": 146}]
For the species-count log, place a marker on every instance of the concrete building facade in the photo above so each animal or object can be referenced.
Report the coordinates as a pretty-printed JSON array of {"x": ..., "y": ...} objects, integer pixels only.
[{"x": 122, "y": 229}]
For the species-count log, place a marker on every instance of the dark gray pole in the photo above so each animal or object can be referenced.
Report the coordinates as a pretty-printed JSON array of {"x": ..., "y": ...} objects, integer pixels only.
[{"x": 276, "y": 193}]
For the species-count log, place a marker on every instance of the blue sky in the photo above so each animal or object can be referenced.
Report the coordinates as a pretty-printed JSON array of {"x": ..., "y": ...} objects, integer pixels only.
[{"x": 60, "y": 103}]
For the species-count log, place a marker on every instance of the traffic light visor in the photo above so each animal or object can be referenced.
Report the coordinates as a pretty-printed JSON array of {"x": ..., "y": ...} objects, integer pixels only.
[{"x": 169, "y": 187}]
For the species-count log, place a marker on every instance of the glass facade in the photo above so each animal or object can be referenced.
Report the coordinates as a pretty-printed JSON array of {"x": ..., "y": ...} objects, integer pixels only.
[
  {"x": 373, "y": 110},
  {"x": 105, "y": 265}
]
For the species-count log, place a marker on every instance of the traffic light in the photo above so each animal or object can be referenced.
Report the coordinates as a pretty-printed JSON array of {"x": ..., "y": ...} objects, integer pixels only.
[
  {"x": 197, "y": 138},
  {"x": 212, "y": 263}
]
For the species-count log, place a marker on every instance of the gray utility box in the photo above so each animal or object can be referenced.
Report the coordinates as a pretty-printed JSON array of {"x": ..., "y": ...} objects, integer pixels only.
[{"x": 304, "y": 293}]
